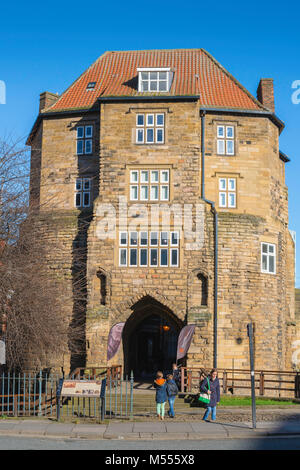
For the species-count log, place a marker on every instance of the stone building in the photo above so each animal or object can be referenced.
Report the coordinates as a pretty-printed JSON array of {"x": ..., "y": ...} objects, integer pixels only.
[{"x": 172, "y": 137}]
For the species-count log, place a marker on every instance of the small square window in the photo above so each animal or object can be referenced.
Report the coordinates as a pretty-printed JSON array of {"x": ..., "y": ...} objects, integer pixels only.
[
  {"x": 134, "y": 176},
  {"x": 88, "y": 146},
  {"x": 89, "y": 131},
  {"x": 154, "y": 193},
  {"x": 123, "y": 238},
  {"x": 154, "y": 176},
  {"x": 221, "y": 131},
  {"x": 80, "y": 132},
  {"x": 133, "y": 238},
  {"x": 140, "y": 119},
  {"x": 80, "y": 147},
  {"x": 154, "y": 238},
  {"x": 174, "y": 238},
  {"x": 163, "y": 257},
  {"x": 150, "y": 119},
  {"x": 133, "y": 257},
  {"x": 140, "y": 136},
  {"x": 144, "y": 238},
  {"x": 123, "y": 257},
  {"x": 159, "y": 136},
  {"x": 160, "y": 119},
  {"x": 153, "y": 257},
  {"x": 221, "y": 147},
  {"x": 150, "y": 136},
  {"x": 143, "y": 257}
]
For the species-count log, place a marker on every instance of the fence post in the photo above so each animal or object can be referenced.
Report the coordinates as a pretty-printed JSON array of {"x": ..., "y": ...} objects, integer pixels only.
[
  {"x": 297, "y": 385},
  {"x": 224, "y": 381},
  {"x": 189, "y": 381},
  {"x": 261, "y": 383},
  {"x": 131, "y": 394},
  {"x": 182, "y": 379},
  {"x": 40, "y": 394}
]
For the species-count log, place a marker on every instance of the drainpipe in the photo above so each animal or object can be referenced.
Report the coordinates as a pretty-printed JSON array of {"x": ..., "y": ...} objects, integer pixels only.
[{"x": 212, "y": 204}]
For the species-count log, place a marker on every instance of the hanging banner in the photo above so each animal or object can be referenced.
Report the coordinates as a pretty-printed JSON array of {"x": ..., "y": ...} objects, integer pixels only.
[
  {"x": 114, "y": 340},
  {"x": 2, "y": 352},
  {"x": 184, "y": 340}
]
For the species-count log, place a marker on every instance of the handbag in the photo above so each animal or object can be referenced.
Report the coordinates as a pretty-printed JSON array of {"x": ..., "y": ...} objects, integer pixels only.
[{"x": 204, "y": 397}]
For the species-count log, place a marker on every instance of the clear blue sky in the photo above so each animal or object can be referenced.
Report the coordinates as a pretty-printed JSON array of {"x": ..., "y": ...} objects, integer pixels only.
[{"x": 46, "y": 45}]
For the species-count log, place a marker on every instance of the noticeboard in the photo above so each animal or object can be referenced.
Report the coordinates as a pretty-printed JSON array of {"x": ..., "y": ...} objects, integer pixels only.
[{"x": 81, "y": 388}]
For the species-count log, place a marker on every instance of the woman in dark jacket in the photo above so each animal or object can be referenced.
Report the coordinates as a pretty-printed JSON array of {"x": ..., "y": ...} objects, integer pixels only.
[{"x": 211, "y": 386}]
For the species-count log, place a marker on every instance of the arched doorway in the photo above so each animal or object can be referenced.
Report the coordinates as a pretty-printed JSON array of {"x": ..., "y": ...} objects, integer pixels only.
[{"x": 150, "y": 339}]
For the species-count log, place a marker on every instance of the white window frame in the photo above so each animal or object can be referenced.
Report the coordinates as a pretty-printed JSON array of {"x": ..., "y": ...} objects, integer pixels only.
[
  {"x": 155, "y": 128},
  {"x": 148, "y": 70},
  {"x": 226, "y": 190},
  {"x": 149, "y": 183},
  {"x": 127, "y": 246},
  {"x": 84, "y": 139},
  {"x": 222, "y": 140},
  {"x": 126, "y": 251},
  {"x": 268, "y": 255},
  {"x": 82, "y": 191}
]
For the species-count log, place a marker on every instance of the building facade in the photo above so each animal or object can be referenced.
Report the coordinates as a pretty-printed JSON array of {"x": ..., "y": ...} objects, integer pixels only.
[{"x": 167, "y": 173}]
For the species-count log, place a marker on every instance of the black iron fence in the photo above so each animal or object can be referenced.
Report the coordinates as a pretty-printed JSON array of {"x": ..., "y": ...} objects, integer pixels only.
[{"x": 35, "y": 394}]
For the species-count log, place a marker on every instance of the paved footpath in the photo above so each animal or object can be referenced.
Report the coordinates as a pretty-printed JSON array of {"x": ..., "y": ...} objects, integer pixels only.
[{"x": 196, "y": 430}]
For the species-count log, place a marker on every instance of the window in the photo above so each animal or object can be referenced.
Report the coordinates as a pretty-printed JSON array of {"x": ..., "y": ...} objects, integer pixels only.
[
  {"x": 227, "y": 192},
  {"x": 150, "y": 128},
  {"x": 84, "y": 140},
  {"x": 83, "y": 192},
  {"x": 225, "y": 140},
  {"x": 154, "y": 80},
  {"x": 91, "y": 85},
  {"x": 149, "y": 249},
  {"x": 150, "y": 185},
  {"x": 268, "y": 258}
]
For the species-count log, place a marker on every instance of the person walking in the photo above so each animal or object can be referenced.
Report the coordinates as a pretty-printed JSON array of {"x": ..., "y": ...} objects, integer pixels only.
[
  {"x": 211, "y": 386},
  {"x": 176, "y": 375},
  {"x": 160, "y": 385},
  {"x": 172, "y": 391}
]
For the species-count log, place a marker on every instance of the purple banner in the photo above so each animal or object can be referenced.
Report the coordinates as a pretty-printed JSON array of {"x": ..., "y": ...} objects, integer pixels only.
[
  {"x": 184, "y": 340},
  {"x": 114, "y": 340}
]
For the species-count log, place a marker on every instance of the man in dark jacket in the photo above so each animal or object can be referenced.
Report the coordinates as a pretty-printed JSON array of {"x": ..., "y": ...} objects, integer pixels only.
[
  {"x": 211, "y": 386},
  {"x": 172, "y": 391},
  {"x": 176, "y": 375}
]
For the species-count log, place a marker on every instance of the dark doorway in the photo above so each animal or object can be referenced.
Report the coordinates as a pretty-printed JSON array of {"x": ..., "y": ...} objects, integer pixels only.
[{"x": 150, "y": 339}]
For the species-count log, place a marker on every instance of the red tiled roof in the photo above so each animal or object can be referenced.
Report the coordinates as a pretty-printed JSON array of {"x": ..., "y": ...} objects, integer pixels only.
[{"x": 115, "y": 74}]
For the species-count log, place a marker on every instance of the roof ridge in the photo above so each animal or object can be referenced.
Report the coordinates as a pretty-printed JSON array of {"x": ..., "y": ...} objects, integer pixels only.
[{"x": 229, "y": 75}]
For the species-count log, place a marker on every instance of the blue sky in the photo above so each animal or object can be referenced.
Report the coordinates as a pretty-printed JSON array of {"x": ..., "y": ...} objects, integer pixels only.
[{"x": 47, "y": 45}]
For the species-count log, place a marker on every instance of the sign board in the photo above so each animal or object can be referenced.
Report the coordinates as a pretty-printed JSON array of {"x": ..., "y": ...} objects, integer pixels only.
[
  {"x": 2, "y": 352},
  {"x": 81, "y": 388}
]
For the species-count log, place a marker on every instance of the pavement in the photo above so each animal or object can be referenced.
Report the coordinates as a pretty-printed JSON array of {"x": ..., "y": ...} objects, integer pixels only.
[{"x": 130, "y": 430}]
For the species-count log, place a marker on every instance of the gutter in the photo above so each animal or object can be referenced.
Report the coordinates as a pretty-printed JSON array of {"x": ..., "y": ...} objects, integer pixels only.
[
  {"x": 216, "y": 233},
  {"x": 280, "y": 124}
]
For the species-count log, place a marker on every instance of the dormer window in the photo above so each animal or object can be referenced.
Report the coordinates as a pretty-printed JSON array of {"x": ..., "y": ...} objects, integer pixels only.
[{"x": 154, "y": 80}]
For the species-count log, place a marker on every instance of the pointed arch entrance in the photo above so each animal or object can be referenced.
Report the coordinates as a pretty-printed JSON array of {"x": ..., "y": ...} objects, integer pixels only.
[{"x": 150, "y": 338}]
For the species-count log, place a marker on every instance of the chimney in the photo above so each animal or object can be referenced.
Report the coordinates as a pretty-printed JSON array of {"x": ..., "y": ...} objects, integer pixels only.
[
  {"x": 265, "y": 93},
  {"x": 47, "y": 99}
]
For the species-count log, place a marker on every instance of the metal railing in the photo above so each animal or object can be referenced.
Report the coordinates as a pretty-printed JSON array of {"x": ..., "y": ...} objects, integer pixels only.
[
  {"x": 281, "y": 384},
  {"x": 35, "y": 394}
]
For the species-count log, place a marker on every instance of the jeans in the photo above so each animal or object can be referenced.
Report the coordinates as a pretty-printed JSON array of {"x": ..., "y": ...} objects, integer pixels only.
[
  {"x": 212, "y": 410},
  {"x": 160, "y": 409},
  {"x": 171, "y": 404}
]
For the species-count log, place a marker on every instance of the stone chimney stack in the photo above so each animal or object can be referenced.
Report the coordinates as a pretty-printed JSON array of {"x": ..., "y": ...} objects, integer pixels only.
[
  {"x": 265, "y": 93},
  {"x": 47, "y": 99}
]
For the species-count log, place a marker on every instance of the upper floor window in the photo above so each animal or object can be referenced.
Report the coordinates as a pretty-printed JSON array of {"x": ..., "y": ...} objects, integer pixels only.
[
  {"x": 227, "y": 192},
  {"x": 150, "y": 185},
  {"x": 268, "y": 258},
  {"x": 154, "y": 79},
  {"x": 83, "y": 192},
  {"x": 149, "y": 249},
  {"x": 150, "y": 128},
  {"x": 84, "y": 140},
  {"x": 225, "y": 140}
]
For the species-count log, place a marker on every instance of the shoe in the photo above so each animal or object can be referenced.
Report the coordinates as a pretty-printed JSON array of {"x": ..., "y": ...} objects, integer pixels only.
[{"x": 162, "y": 418}]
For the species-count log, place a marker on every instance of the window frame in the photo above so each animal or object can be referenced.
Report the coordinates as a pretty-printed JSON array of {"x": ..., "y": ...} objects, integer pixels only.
[
  {"x": 82, "y": 191},
  {"x": 144, "y": 129},
  {"x": 268, "y": 255},
  {"x": 85, "y": 140},
  {"x": 224, "y": 140}
]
